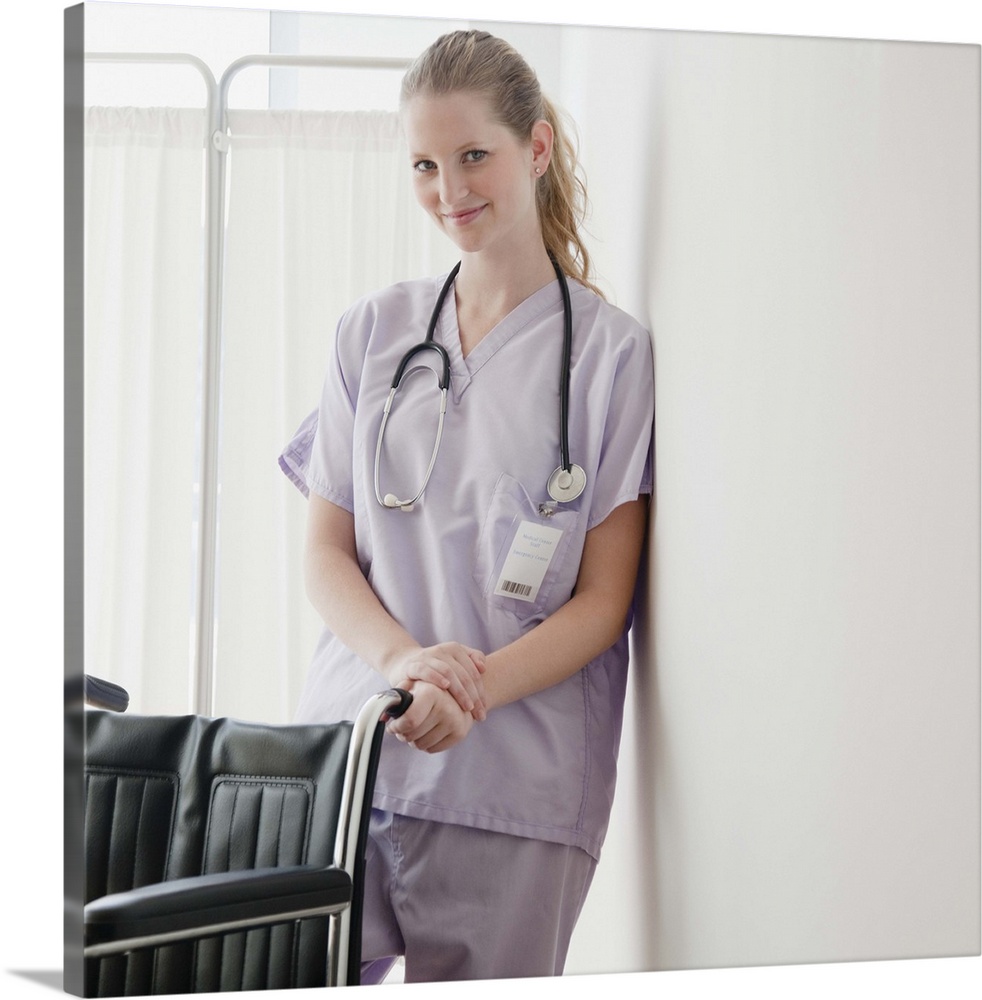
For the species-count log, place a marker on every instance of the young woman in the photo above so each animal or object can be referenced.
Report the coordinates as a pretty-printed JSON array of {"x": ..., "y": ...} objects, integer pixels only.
[{"x": 501, "y": 595}]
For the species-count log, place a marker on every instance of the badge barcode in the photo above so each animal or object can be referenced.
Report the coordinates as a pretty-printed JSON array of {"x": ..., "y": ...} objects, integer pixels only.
[{"x": 510, "y": 587}]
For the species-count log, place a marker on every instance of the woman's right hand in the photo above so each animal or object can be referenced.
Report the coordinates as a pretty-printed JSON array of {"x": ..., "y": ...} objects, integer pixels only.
[
  {"x": 451, "y": 666},
  {"x": 433, "y": 723}
]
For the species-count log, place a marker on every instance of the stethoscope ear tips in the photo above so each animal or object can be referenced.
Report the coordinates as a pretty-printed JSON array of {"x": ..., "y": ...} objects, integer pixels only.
[{"x": 391, "y": 500}]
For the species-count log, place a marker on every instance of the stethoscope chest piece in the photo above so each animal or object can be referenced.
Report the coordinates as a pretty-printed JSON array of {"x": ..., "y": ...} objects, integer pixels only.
[{"x": 565, "y": 486}]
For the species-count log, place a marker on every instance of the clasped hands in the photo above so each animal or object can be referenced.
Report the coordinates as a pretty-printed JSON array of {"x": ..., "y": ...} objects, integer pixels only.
[{"x": 448, "y": 695}]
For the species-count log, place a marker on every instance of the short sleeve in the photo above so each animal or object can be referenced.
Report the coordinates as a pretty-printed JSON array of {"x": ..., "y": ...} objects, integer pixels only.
[
  {"x": 295, "y": 457},
  {"x": 625, "y": 469},
  {"x": 319, "y": 456}
]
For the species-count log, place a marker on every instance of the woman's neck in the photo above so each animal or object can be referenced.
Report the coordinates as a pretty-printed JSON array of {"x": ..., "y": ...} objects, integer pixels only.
[{"x": 487, "y": 290}]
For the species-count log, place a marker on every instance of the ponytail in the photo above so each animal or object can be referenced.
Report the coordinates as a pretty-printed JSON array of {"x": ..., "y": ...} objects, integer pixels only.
[{"x": 562, "y": 201}]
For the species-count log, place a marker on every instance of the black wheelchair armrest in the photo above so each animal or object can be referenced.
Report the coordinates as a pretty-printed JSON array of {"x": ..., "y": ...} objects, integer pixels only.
[{"x": 205, "y": 905}]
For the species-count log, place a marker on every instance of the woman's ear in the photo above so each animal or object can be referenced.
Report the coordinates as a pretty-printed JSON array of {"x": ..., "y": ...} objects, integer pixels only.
[{"x": 542, "y": 136}]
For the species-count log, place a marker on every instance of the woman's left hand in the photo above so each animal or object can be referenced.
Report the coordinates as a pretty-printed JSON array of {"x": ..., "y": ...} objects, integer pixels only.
[{"x": 434, "y": 722}]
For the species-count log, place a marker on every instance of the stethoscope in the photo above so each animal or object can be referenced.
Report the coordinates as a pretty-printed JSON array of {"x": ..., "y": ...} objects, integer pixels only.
[{"x": 568, "y": 480}]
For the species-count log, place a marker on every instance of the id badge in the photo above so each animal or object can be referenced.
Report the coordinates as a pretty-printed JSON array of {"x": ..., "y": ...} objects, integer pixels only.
[{"x": 527, "y": 562}]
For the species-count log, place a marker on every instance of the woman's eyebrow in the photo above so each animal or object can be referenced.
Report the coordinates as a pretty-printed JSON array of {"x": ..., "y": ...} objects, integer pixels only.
[{"x": 472, "y": 144}]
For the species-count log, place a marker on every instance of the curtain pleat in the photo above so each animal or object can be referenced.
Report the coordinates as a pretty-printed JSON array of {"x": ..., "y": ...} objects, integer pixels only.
[{"x": 144, "y": 267}]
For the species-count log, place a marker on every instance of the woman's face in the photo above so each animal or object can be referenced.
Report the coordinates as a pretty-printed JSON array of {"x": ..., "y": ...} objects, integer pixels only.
[{"x": 472, "y": 175}]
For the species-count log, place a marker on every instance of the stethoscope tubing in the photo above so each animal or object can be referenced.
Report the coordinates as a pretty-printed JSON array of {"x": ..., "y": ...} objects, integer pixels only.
[
  {"x": 565, "y": 370},
  {"x": 395, "y": 502},
  {"x": 426, "y": 345},
  {"x": 566, "y": 483},
  {"x": 389, "y": 500}
]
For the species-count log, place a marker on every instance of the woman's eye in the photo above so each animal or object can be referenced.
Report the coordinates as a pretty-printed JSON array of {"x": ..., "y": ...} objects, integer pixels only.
[
  {"x": 475, "y": 155},
  {"x": 422, "y": 166}
]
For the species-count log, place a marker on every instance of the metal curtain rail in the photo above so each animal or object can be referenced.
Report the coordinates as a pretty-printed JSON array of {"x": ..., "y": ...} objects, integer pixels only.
[{"x": 217, "y": 146}]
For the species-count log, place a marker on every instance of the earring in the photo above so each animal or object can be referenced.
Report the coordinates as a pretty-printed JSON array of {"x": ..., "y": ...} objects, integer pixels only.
[{"x": 537, "y": 170}]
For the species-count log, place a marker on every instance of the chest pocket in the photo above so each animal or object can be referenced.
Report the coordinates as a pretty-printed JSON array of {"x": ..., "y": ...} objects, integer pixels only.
[{"x": 510, "y": 506}]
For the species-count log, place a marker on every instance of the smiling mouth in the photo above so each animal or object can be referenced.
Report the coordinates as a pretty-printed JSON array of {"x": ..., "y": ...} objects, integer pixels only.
[{"x": 462, "y": 218}]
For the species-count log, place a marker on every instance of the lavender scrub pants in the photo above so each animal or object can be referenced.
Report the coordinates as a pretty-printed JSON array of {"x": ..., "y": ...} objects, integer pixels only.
[{"x": 462, "y": 903}]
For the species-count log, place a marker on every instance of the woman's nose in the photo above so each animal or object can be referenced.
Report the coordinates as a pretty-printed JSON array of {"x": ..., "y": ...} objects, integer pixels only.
[{"x": 453, "y": 187}]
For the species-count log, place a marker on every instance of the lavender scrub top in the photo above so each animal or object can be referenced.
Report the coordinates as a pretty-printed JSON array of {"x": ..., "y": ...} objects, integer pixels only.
[{"x": 542, "y": 767}]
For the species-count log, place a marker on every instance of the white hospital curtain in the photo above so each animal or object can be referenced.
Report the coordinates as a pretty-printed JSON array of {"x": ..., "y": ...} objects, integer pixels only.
[
  {"x": 144, "y": 171},
  {"x": 320, "y": 211}
]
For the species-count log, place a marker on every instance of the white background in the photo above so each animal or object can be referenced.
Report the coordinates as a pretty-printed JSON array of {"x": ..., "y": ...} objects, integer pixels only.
[{"x": 32, "y": 422}]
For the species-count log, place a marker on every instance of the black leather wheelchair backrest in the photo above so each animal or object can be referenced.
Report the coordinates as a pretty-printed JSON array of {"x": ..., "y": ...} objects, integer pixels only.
[{"x": 170, "y": 796}]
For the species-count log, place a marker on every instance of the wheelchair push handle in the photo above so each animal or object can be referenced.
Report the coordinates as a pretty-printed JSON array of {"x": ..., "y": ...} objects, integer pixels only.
[
  {"x": 399, "y": 706},
  {"x": 101, "y": 693}
]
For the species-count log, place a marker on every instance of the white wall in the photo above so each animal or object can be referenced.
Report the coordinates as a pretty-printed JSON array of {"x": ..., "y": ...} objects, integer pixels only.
[
  {"x": 804, "y": 758},
  {"x": 213, "y": 35}
]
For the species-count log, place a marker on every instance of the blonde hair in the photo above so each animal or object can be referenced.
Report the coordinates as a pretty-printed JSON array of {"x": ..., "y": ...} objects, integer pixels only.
[{"x": 479, "y": 62}]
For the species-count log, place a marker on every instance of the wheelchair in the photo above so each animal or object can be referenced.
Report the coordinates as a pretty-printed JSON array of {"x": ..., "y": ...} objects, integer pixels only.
[{"x": 224, "y": 855}]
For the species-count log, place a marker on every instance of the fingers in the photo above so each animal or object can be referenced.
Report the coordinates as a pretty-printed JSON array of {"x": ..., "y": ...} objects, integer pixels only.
[
  {"x": 471, "y": 662},
  {"x": 466, "y": 685},
  {"x": 436, "y": 739},
  {"x": 410, "y": 724},
  {"x": 422, "y": 736},
  {"x": 444, "y": 744},
  {"x": 438, "y": 734},
  {"x": 454, "y": 668},
  {"x": 433, "y": 720}
]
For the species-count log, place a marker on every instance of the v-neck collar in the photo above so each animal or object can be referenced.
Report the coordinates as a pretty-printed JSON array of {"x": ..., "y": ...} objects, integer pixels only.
[{"x": 463, "y": 370}]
